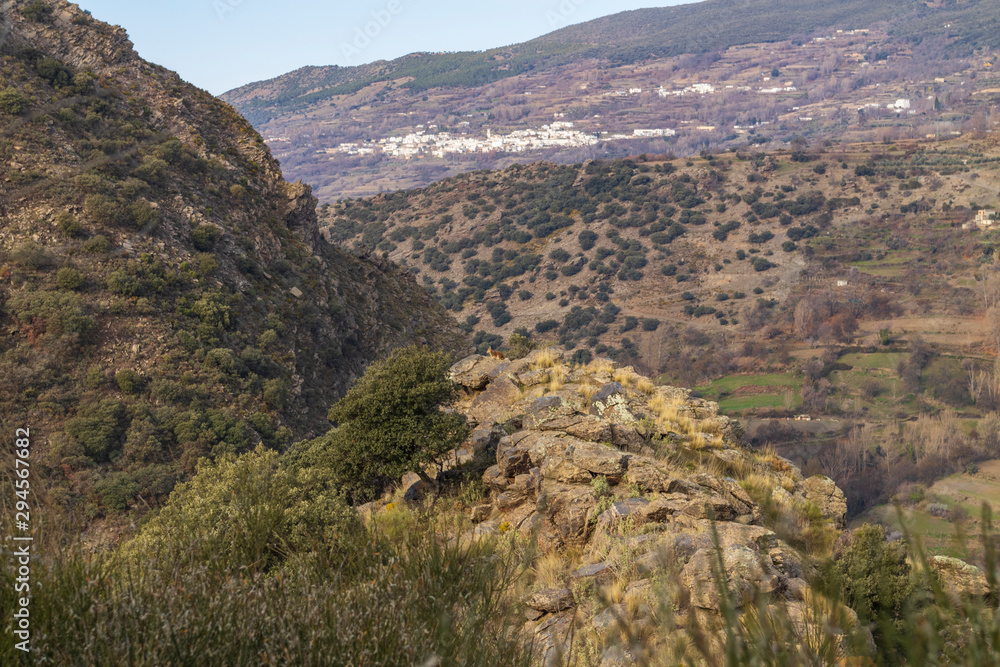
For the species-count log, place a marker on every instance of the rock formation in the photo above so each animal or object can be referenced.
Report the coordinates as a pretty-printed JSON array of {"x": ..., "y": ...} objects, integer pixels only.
[{"x": 640, "y": 482}]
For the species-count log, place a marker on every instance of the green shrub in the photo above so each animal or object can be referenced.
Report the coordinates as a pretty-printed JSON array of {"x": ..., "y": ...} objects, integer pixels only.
[
  {"x": 874, "y": 574},
  {"x": 152, "y": 170},
  {"x": 37, "y": 11},
  {"x": 205, "y": 237},
  {"x": 101, "y": 210},
  {"x": 69, "y": 278},
  {"x": 58, "y": 313},
  {"x": 30, "y": 255},
  {"x": 69, "y": 225},
  {"x": 245, "y": 512},
  {"x": 390, "y": 422},
  {"x": 275, "y": 393},
  {"x": 129, "y": 382},
  {"x": 116, "y": 490},
  {"x": 13, "y": 102},
  {"x": 98, "y": 245},
  {"x": 99, "y": 429}
]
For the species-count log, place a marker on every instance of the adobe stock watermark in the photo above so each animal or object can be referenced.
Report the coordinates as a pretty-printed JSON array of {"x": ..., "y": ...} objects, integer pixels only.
[
  {"x": 224, "y": 7},
  {"x": 364, "y": 35},
  {"x": 561, "y": 15}
]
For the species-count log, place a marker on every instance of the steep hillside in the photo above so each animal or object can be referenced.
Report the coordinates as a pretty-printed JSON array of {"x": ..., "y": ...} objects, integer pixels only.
[{"x": 165, "y": 293}]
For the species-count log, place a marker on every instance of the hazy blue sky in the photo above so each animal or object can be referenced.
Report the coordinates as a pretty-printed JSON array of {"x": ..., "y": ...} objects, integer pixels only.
[{"x": 221, "y": 44}]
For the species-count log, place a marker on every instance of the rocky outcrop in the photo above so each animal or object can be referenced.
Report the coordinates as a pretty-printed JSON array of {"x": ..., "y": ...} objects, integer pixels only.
[
  {"x": 959, "y": 578},
  {"x": 640, "y": 480}
]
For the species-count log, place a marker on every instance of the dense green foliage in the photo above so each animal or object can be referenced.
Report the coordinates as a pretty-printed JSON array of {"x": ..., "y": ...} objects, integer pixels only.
[
  {"x": 392, "y": 594},
  {"x": 389, "y": 423}
]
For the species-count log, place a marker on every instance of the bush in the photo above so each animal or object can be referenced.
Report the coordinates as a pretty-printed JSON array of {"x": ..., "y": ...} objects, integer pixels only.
[
  {"x": 38, "y": 11},
  {"x": 13, "y": 101},
  {"x": 587, "y": 239},
  {"x": 69, "y": 225},
  {"x": 559, "y": 255},
  {"x": 32, "y": 256},
  {"x": 205, "y": 236},
  {"x": 650, "y": 324},
  {"x": 101, "y": 210},
  {"x": 98, "y": 245},
  {"x": 129, "y": 381},
  {"x": 57, "y": 313},
  {"x": 390, "y": 423},
  {"x": 874, "y": 575},
  {"x": 546, "y": 325},
  {"x": 245, "y": 512},
  {"x": 99, "y": 429},
  {"x": 116, "y": 491}
]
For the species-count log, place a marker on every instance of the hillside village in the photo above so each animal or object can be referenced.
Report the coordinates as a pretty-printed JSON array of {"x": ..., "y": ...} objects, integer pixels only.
[
  {"x": 420, "y": 144},
  {"x": 857, "y": 84}
]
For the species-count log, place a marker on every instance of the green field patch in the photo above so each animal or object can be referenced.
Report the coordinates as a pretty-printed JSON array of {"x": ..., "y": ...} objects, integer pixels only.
[
  {"x": 754, "y": 402},
  {"x": 887, "y": 360},
  {"x": 936, "y": 535},
  {"x": 732, "y": 383}
]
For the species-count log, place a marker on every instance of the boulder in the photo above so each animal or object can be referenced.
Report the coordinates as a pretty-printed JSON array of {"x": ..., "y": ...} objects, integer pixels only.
[
  {"x": 567, "y": 511},
  {"x": 611, "y": 403},
  {"x": 533, "y": 378},
  {"x": 552, "y": 636},
  {"x": 824, "y": 493},
  {"x": 473, "y": 372},
  {"x": 756, "y": 537},
  {"x": 607, "y": 620},
  {"x": 494, "y": 479},
  {"x": 959, "y": 577},
  {"x": 600, "y": 573},
  {"x": 598, "y": 459},
  {"x": 742, "y": 570},
  {"x": 484, "y": 439},
  {"x": 627, "y": 437},
  {"x": 551, "y": 600},
  {"x": 662, "y": 508},
  {"x": 493, "y": 405},
  {"x": 413, "y": 487},
  {"x": 621, "y": 510},
  {"x": 513, "y": 460},
  {"x": 564, "y": 471},
  {"x": 647, "y": 475},
  {"x": 584, "y": 427},
  {"x": 481, "y": 513}
]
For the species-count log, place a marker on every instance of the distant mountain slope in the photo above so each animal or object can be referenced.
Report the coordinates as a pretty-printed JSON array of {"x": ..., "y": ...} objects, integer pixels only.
[
  {"x": 164, "y": 293},
  {"x": 712, "y": 75},
  {"x": 621, "y": 38}
]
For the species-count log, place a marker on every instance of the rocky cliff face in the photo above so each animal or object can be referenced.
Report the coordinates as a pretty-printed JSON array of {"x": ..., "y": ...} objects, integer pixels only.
[{"x": 628, "y": 486}]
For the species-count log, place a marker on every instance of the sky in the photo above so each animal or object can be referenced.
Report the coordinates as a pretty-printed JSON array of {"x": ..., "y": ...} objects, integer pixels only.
[{"x": 221, "y": 44}]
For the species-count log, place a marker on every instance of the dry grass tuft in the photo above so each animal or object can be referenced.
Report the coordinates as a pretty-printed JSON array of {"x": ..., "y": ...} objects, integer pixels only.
[
  {"x": 550, "y": 571},
  {"x": 557, "y": 377},
  {"x": 587, "y": 390},
  {"x": 625, "y": 377},
  {"x": 547, "y": 358},
  {"x": 645, "y": 386},
  {"x": 600, "y": 366}
]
